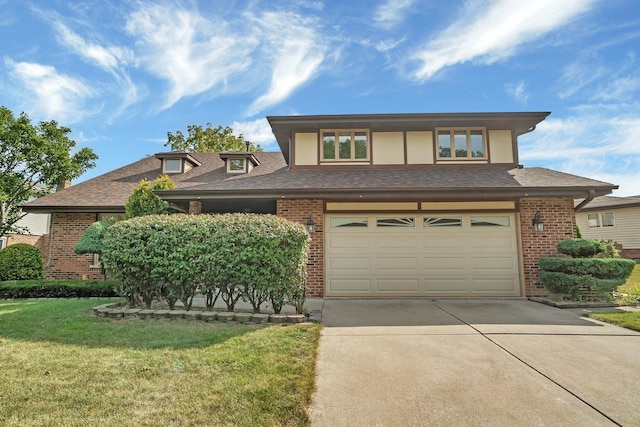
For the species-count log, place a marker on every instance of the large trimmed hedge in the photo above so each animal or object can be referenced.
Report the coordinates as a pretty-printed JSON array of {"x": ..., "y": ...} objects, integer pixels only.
[
  {"x": 21, "y": 262},
  {"x": 231, "y": 256},
  {"x": 583, "y": 277}
]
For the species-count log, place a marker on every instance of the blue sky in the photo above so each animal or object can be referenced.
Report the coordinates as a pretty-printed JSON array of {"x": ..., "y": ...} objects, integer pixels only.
[{"x": 121, "y": 74}]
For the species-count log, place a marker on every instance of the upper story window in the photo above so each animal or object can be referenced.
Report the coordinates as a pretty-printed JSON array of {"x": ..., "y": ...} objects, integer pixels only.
[
  {"x": 172, "y": 166},
  {"x": 236, "y": 165},
  {"x": 601, "y": 219},
  {"x": 457, "y": 143},
  {"x": 345, "y": 145}
]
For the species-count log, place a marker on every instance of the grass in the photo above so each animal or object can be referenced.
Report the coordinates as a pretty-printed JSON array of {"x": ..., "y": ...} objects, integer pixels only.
[
  {"x": 60, "y": 366},
  {"x": 630, "y": 294},
  {"x": 629, "y": 320}
]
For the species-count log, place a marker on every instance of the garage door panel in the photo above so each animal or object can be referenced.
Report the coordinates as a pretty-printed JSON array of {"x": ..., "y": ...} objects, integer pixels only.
[
  {"x": 500, "y": 263},
  {"x": 423, "y": 260},
  {"x": 454, "y": 265},
  {"x": 346, "y": 286},
  {"x": 345, "y": 264},
  {"x": 443, "y": 285},
  {"x": 398, "y": 285},
  {"x": 386, "y": 265},
  {"x": 493, "y": 285},
  {"x": 404, "y": 243},
  {"x": 349, "y": 242}
]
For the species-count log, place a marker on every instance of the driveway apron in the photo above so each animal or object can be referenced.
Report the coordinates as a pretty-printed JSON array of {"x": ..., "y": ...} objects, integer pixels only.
[{"x": 408, "y": 362}]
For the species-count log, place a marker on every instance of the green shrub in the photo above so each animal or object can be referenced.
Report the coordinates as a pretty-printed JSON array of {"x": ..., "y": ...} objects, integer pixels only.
[
  {"x": 578, "y": 248},
  {"x": 573, "y": 285},
  {"x": 610, "y": 250},
  {"x": 21, "y": 262},
  {"x": 601, "y": 268},
  {"x": 56, "y": 289},
  {"x": 230, "y": 256},
  {"x": 143, "y": 200}
]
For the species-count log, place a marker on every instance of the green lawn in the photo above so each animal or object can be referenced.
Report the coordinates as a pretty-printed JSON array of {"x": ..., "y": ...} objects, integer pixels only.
[
  {"x": 631, "y": 289},
  {"x": 60, "y": 366},
  {"x": 629, "y": 320}
]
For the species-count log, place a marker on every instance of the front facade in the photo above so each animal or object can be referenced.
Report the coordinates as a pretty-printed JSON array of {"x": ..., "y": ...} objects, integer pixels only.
[
  {"x": 613, "y": 218},
  {"x": 402, "y": 204}
]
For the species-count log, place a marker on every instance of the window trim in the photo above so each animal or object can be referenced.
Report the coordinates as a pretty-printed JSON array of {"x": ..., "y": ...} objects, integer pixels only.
[
  {"x": 600, "y": 223},
  {"x": 168, "y": 171},
  {"x": 469, "y": 156},
  {"x": 337, "y": 158},
  {"x": 230, "y": 161},
  {"x": 3, "y": 242}
]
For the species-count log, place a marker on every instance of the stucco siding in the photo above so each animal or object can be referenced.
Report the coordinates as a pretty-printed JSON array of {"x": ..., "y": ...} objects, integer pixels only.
[
  {"x": 500, "y": 146},
  {"x": 419, "y": 148},
  {"x": 306, "y": 149},
  {"x": 387, "y": 148}
]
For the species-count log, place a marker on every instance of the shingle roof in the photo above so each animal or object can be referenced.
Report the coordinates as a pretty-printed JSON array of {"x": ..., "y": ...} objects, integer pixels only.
[
  {"x": 611, "y": 202},
  {"x": 273, "y": 179}
]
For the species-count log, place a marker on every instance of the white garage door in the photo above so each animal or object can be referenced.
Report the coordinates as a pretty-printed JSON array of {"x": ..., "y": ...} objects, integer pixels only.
[{"x": 421, "y": 255}]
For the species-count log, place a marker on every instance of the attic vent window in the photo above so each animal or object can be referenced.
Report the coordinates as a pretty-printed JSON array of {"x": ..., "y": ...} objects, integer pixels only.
[
  {"x": 172, "y": 166},
  {"x": 239, "y": 161},
  {"x": 237, "y": 165}
]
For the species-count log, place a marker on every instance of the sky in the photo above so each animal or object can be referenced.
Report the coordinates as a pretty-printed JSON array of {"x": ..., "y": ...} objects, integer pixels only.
[{"x": 121, "y": 74}]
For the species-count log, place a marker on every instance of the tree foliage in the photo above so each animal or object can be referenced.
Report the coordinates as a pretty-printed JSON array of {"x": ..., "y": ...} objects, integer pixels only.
[
  {"x": 208, "y": 140},
  {"x": 143, "y": 201},
  {"x": 33, "y": 160}
]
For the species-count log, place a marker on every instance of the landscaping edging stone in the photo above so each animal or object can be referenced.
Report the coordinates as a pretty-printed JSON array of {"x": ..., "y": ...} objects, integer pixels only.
[
  {"x": 114, "y": 311},
  {"x": 573, "y": 304}
]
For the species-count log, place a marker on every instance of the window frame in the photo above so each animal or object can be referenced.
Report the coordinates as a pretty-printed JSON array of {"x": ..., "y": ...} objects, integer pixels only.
[
  {"x": 352, "y": 158},
  {"x": 167, "y": 170},
  {"x": 599, "y": 219},
  {"x": 452, "y": 132},
  {"x": 230, "y": 161}
]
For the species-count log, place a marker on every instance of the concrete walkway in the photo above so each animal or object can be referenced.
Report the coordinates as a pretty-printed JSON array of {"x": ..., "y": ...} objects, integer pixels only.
[{"x": 407, "y": 362}]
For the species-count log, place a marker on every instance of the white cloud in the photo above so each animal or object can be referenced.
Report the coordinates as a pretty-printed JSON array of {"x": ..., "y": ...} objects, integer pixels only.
[
  {"x": 55, "y": 96},
  {"x": 391, "y": 13},
  {"x": 295, "y": 50},
  {"x": 517, "y": 91},
  {"x": 489, "y": 34},
  {"x": 192, "y": 54},
  {"x": 257, "y": 131},
  {"x": 111, "y": 59},
  {"x": 598, "y": 142}
]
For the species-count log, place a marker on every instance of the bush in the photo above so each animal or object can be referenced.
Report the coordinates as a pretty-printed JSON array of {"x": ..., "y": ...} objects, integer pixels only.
[
  {"x": 56, "y": 289},
  {"x": 573, "y": 285},
  {"x": 601, "y": 268},
  {"x": 230, "y": 256},
  {"x": 21, "y": 262},
  {"x": 578, "y": 248}
]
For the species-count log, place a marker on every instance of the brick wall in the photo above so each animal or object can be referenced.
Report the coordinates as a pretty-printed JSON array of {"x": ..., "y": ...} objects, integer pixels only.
[
  {"x": 66, "y": 229},
  {"x": 299, "y": 211},
  {"x": 40, "y": 242},
  {"x": 559, "y": 224},
  {"x": 630, "y": 253}
]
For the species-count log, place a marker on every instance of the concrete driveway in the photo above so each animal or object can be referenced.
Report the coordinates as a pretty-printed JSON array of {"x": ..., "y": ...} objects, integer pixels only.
[{"x": 408, "y": 362}]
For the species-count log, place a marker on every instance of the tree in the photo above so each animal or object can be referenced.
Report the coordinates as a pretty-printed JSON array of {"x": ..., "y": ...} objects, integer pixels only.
[
  {"x": 208, "y": 140},
  {"x": 144, "y": 202},
  {"x": 33, "y": 160},
  {"x": 91, "y": 241}
]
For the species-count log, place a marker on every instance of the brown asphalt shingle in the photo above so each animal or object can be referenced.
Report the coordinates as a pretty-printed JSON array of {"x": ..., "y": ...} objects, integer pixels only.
[{"x": 113, "y": 189}]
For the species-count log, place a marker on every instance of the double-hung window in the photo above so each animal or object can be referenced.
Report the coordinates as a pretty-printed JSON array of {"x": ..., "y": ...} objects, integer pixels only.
[
  {"x": 345, "y": 145},
  {"x": 601, "y": 219},
  {"x": 461, "y": 143}
]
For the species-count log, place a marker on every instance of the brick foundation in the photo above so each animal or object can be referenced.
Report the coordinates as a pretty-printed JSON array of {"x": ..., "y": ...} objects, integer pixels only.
[
  {"x": 559, "y": 224},
  {"x": 66, "y": 229},
  {"x": 630, "y": 253},
  {"x": 299, "y": 211}
]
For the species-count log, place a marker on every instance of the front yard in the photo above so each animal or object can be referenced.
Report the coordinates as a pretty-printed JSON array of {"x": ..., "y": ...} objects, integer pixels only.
[
  {"x": 60, "y": 366},
  {"x": 630, "y": 294}
]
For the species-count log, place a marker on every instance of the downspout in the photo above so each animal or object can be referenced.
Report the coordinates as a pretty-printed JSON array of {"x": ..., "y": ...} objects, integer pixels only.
[{"x": 592, "y": 194}]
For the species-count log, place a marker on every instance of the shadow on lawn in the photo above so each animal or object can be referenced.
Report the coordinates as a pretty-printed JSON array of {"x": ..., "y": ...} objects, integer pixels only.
[{"x": 70, "y": 322}]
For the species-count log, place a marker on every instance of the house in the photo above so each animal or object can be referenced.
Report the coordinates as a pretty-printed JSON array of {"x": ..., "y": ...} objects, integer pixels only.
[
  {"x": 37, "y": 226},
  {"x": 613, "y": 218},
  {"x": 402, "y": 204}
]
